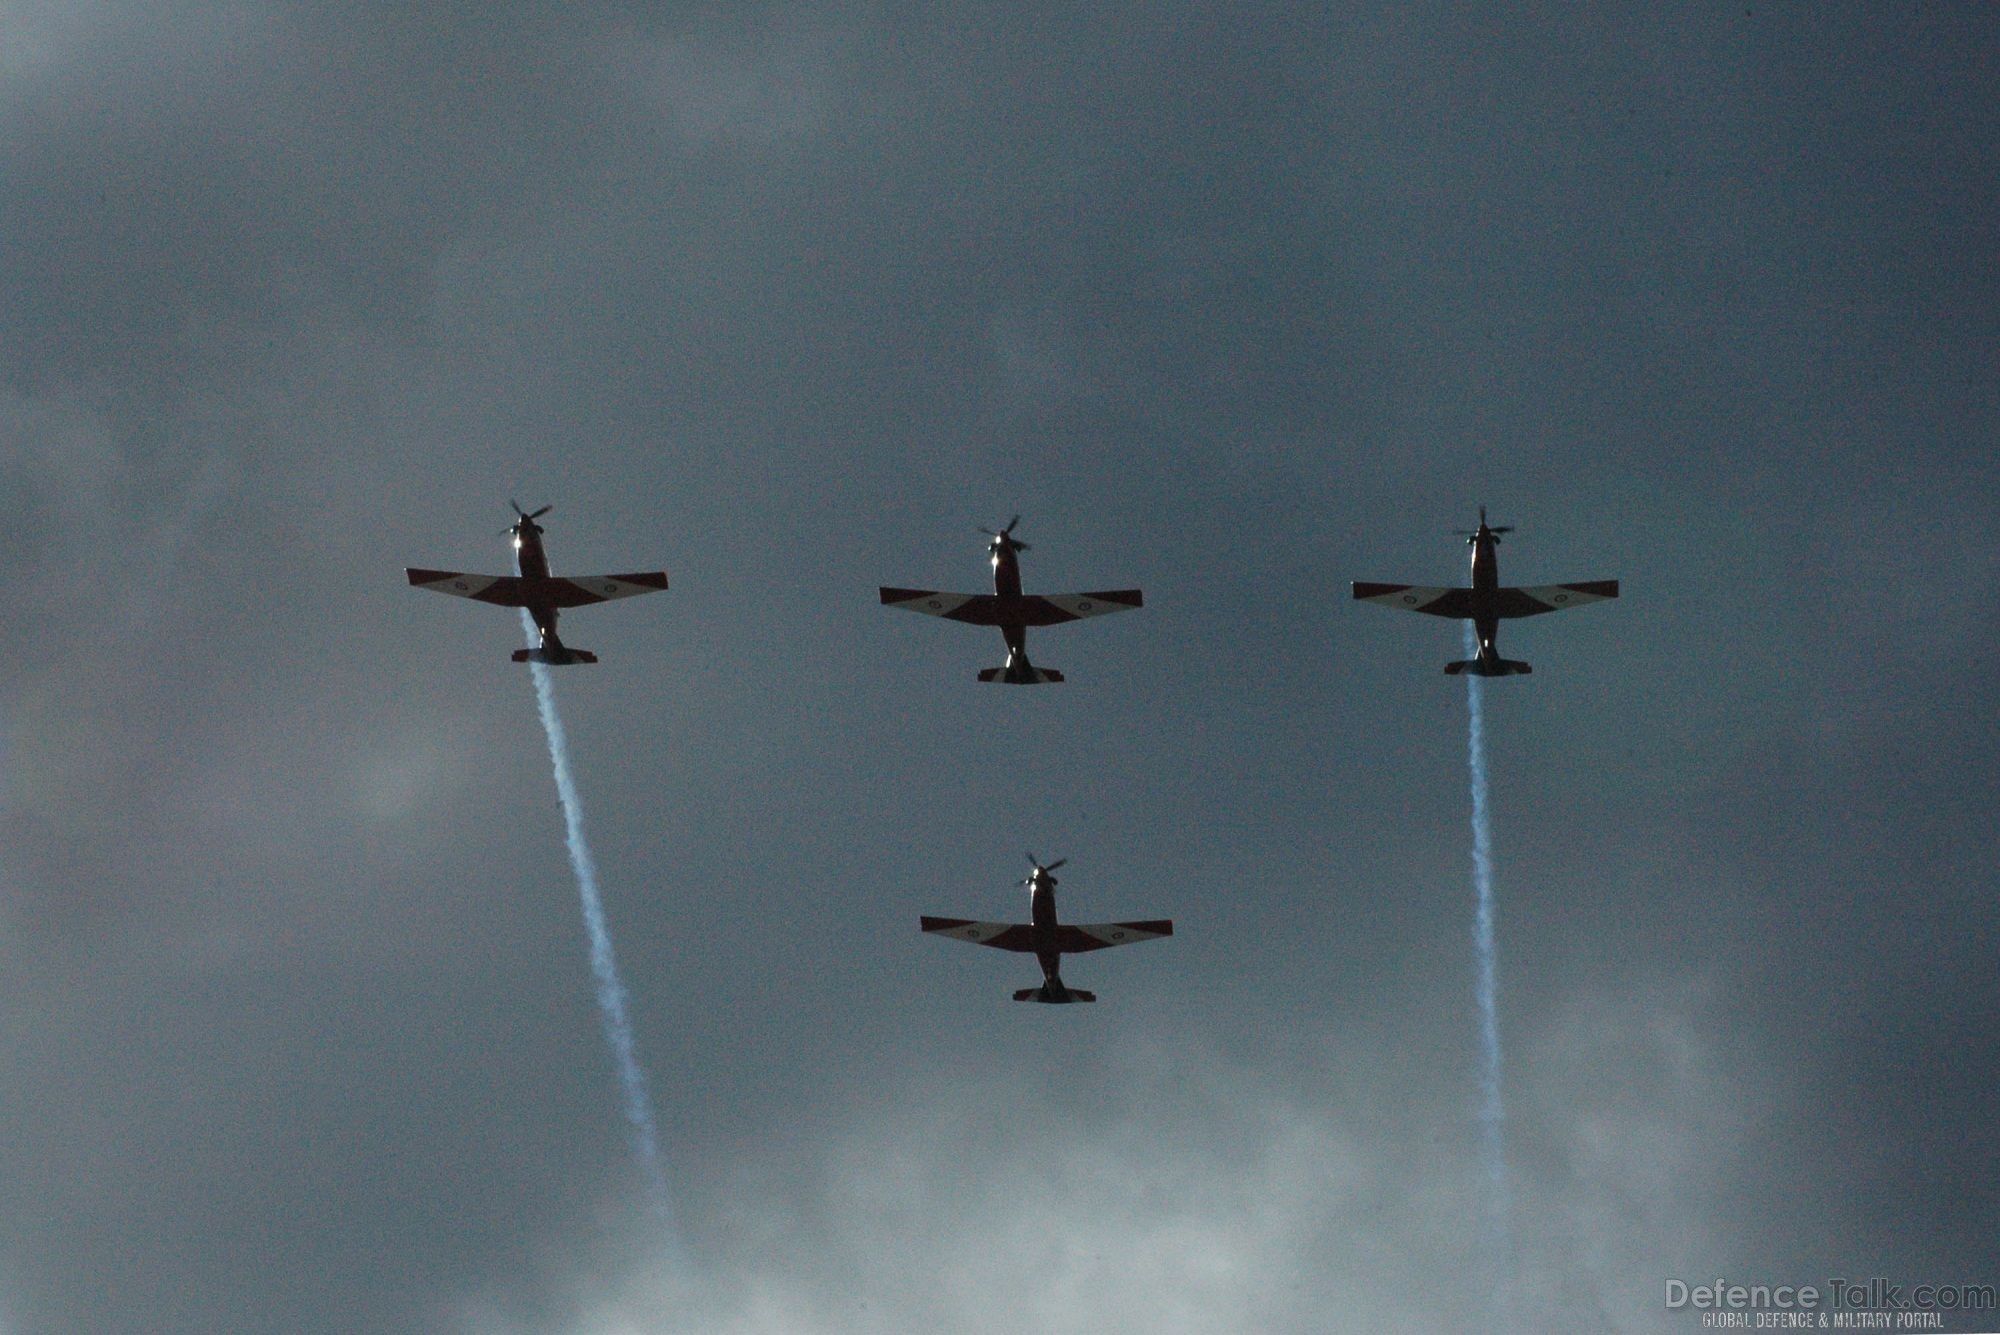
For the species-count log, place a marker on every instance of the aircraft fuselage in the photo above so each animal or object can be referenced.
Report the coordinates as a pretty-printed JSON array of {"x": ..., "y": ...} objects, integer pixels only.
[
  {"x": 1485, "y": 589},
  {"x": 1006, "y": 563},
  {"x": 529, "y": 557},
  {"x": 1042, "y": 918},
  {"x": 532, "y": 562}
]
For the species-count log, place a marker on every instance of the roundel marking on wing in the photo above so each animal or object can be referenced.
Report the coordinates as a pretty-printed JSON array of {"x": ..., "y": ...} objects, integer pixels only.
[
  {"x": 935, "y": 602},
  {"x": 1562, "y": 597},
  {"x": 458, "y": 584},
  {"x": 1118, "y": 936},
  {"x": 610, "y": 588},
  {"x": 1410, "y": 598},
  {"x": 1083, "y": 605}
]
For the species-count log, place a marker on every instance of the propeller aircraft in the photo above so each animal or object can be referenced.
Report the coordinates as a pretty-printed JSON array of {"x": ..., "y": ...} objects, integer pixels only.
[
  {"x": 1011, "y": 610},
  {"x": 1486, "y": 604},
  {"x": 534, "y": 588},
  {"x": 1047, "y": 939}
]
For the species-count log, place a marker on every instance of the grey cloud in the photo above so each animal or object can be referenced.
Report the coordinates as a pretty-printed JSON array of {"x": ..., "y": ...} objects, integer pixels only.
[{"x": 1234, "y": 305}]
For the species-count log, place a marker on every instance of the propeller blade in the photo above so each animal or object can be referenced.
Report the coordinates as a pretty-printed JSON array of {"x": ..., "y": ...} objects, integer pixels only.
[
  {"x": 1057, "y": 863},
  {"x": 1010, "y": 525},
  {"x": 539, "y": 513}
]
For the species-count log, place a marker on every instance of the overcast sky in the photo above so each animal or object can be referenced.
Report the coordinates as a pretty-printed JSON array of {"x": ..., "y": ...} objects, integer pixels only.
[{"x": 1237, "y": 304}]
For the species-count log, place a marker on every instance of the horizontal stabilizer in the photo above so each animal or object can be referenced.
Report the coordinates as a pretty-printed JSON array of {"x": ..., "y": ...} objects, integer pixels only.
[
  {"x": 554, "y": 657},
  {"x": 1054, "y": 996},
  {"x": 1016, "y": 675},
  {"x": 1484, "y": 667}
]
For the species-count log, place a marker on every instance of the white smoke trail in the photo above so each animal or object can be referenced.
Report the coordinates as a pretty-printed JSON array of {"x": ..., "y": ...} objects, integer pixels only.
[
  {"x": 638, "y": 1100},
  {"x": 1492, "y": 1112}
]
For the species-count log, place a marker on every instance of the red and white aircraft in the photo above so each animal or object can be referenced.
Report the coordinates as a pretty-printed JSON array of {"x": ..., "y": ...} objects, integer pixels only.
[
  {"x": 536, "y": 589},
  {"x": 1046, "y": 938},
  {"x": 1011, "y": 610},
  {"x": 1486, "y": 604}
]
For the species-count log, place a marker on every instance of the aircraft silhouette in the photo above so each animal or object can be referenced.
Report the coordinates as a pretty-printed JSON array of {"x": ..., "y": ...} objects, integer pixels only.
[
  {"x": 1486, "y": 604},
  {"x": 543, "y": 594},
  {"x": 1048, "y": 939},
  {"x": 1010, "y": 609}
]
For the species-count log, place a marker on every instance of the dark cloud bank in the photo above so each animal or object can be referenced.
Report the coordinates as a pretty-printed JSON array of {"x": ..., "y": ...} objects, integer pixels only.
[{"x": 1236, "y": 304}]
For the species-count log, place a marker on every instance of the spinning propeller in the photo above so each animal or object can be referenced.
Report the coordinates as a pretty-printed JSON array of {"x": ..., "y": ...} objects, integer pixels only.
[
  {"x": 1470, "y": 534},
  {"x": 1040, "y": 869},
  {"x": 1006, "y": 535},
  {"x": 525, "y": 517}
]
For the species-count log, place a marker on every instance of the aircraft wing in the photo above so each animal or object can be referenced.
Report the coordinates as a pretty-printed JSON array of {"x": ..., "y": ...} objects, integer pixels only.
[
  {"x": 934, "y": 602},
  {"x": 514, "y": 591},
  {"x": 1416, "y": 598},
  {"x": 990, "y": 609},
  {"x": 999, "y": 935},
  {"x": 1553, "y": 597},
  {"x": 1057, "y": 608},
  {"x": 500, "y": 590},
  {"x": 583, "y": 590},
  {"x": 1072, "y": 940}
]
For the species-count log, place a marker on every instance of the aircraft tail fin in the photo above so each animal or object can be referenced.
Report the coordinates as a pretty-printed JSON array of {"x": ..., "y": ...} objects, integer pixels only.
[
  {"x": 554, "y": 656},
  {"x": 1488, "y": 667},
  {"x": 1021, "y": 674},
  {"x": 1054, "y": 995}
]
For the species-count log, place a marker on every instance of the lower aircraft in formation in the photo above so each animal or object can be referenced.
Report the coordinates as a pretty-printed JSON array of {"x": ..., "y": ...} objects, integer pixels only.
[
  {"x": 543, "y": 594},
  {"x": 1047, "y": 939},
  {"x": 1010, "y": 609},
  {"x": 1486, "y": 604}
]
